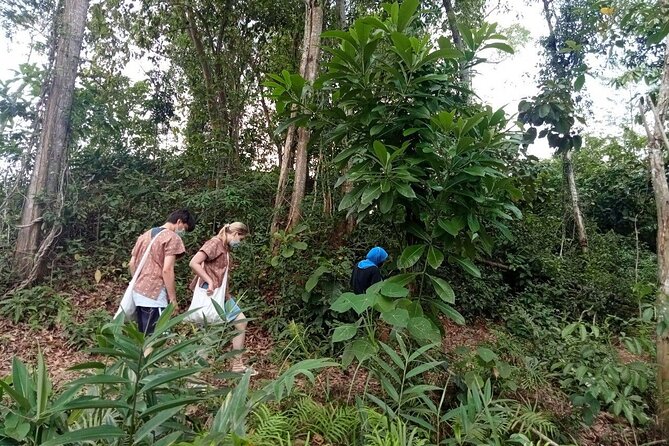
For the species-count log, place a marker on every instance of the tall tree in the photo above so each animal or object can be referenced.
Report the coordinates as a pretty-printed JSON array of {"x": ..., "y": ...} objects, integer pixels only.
[
  {"x": 297, "y": 139},
  {"x": 46, "y": 182},
  {"x": 657, "y": 144},
  {"x": 569, "y": 30}
]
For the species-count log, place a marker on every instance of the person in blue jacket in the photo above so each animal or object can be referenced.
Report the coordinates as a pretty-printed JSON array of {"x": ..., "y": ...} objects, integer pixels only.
[{"x": 367, "y": 272}]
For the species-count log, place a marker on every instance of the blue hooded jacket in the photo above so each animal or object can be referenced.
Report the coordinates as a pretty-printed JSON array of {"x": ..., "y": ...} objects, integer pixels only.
[{"x": 375, "y": 257}]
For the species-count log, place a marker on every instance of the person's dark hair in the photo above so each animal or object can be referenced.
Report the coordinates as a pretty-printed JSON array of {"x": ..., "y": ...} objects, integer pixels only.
[{"x": 185, "y": 216}]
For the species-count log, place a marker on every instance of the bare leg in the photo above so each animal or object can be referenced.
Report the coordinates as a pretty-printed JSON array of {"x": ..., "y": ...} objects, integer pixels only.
[{"x": 238, "y": 341}]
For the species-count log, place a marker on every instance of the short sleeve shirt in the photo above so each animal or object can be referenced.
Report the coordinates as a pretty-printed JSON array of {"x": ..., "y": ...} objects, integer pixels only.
[
  {"x": 216, "y": 263},
  {"x": 167, "y": 243}
]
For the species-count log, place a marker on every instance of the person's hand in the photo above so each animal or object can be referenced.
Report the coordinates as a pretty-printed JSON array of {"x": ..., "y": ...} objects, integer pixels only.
[
  {"x": 175, "y": 304},
  {"x": 211, "y": 287}
]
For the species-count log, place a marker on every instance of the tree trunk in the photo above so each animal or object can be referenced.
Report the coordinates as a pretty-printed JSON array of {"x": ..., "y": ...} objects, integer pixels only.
[
  {"x": 657, "y": 139},
  {"x": 286, "y": 161},
  {"x": 51, "y": 151},
  {"x": 313, "y": 26},
  {"x": 457, "y": 40},
  {"x": 568, "y": 169},
  {"x": 341, "y": 10}
]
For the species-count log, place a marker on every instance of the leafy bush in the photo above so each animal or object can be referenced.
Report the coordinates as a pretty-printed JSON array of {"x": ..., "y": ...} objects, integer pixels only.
[
  {"x": 83, "y": 334},
  {"x": 596, "y": 380},
  {"x": 40, "y": 307}
]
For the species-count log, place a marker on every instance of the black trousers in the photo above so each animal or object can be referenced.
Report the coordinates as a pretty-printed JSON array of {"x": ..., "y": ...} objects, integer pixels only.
[{"x": 147, "y": 318}]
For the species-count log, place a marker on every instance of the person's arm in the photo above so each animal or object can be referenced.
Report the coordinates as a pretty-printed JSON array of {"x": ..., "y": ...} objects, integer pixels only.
[
  {"x": 196, "y": 264},
  {"x": 168, "y": 280},
  {"x": 132, "y": 265}
]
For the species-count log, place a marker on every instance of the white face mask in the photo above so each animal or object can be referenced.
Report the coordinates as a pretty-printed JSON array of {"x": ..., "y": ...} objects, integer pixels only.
[{"x": 180, "y": 232}]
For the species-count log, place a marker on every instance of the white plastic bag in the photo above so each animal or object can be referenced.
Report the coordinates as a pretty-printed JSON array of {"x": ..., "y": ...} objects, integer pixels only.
[
  {"x": 127, "y": 305},
  {"x": 202, "y": 302}
]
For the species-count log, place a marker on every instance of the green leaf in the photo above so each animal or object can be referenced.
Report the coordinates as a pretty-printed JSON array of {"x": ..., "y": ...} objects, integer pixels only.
[
  {"x": 473, "y": 223},
  {"x": 410, "y": 256},
  {"x": 486, "y": 354},
  {"x": 443, "y": 289},
  {"x": 468, "y": 266},
  {"x": 157, "y": 380},
  {"x": 88, "y": 434},
  {"x": 344, "y": 333},
  {"x": 402, "y": 279},
  {"x": 299, "y": 245},
  {"x": 424, "y": 368},
  {"x": 449, "y": 312},
  {"x": 500, "y": 46},
  {"x": 397, "y": 317},
  {"x": 43, "y": 386},
  {"x": 656, "y": 38},
  {"x": 154, "y": 423},
  {"x": 452, "y": 226},
  {"x": 386, "y": 202},
  {"x": 165, "y": 405},
  {"x": 371, "y": 193},
  {"x": 423, "y": 329},
  {"x": 407, "y": 10},
  {"x": 435, "y": 257},
  {"x": 315, "y": 276},
  {"x": 381, "y": 153},
  {"x": 363, "y": 302},
  {"x": 578, "y": 83},
  {"x": 391, "y": 289},
  {"x": 544, "y": 110},
  {"x": 343, "y": 303},
  {"x": 405, "y": 190},
  {"x": 362, "y": 349}
]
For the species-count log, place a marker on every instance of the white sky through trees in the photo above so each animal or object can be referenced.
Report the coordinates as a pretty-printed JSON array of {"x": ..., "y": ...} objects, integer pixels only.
[{"x": 501, "y": 83}]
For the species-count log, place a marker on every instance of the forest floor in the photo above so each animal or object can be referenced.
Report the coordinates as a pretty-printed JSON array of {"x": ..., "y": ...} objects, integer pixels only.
[{"x": 25, "y": 341}]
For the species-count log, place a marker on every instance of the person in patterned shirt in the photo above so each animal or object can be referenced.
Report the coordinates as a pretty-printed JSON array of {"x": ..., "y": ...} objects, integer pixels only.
[
  {"x": 155, "y": 285},
  {"x": 210, "y": 265}
]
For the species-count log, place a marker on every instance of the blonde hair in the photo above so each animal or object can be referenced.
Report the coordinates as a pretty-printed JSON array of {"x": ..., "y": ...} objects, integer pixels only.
[{"x": 233, "y": 228}]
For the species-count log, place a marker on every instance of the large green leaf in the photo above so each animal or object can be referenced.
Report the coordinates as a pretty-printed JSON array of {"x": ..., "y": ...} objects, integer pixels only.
[
  {"x": 398, "y": 317},
  {"x": 449, "y": 312},
  {"x": 159, "y": 379},
  {"x": 343, "y": 303},
  {"x": 392, "y": 289},
  {"x": 410, "y": 256},
  {"x": 423, "y": 329},
  {"x": 381, "y": 153},
  {"x": 443, "y": 289},
  {"x": 363, "y": 301},
  {"x": 435, "y": 257},
  {"x": 315, "y": 276},
  {"x": 402, "y": 279},
  {"x": 93, "y": 434},
  {"x": 452, "y": 226},
  {"x": 154, "y": 423},
  {"x": 43, "y": 386},
  {"x": 468, "y": 266},
  {"x": 362, "y": 349},
  {"x": 344, "y": 333},
  {"x": 406, "y": 13},
  {"x": 405, "y": 189}
]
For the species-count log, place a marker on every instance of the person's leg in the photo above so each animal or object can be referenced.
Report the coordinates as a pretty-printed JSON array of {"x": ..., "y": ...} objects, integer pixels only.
[
  {"x": 153, "y": 317},
  {"x": 240, "y": 325},
  {"x": 147, "y": 318},
  {"x": 238, "y": 344},
  {"x": 142, "y": 318}
]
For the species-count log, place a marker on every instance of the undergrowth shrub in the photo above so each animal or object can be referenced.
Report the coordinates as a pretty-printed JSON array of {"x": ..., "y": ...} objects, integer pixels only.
[
  {"x": 40, "y": 307},
  {"x": 82, "y": 334}
]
